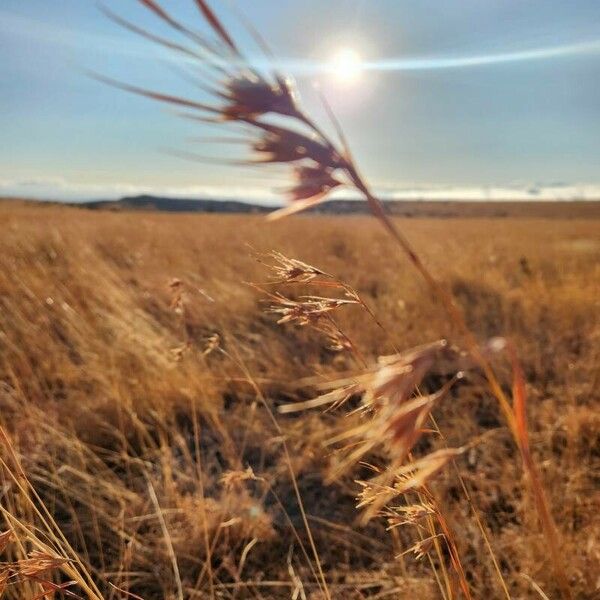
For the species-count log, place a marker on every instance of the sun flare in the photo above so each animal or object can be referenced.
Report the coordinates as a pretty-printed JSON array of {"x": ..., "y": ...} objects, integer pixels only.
[{"x": 347, "y": 65}]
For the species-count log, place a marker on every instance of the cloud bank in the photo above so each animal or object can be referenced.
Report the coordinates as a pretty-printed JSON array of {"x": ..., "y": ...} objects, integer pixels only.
[{"x": 59, "y": 189}]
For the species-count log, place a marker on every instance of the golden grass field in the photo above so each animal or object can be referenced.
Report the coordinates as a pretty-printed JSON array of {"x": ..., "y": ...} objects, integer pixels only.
[{"x": 134, "y": 417}]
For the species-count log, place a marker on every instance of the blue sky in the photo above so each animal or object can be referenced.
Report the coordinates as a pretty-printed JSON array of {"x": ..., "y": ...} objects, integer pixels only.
[{"x": 484, "y": 99}]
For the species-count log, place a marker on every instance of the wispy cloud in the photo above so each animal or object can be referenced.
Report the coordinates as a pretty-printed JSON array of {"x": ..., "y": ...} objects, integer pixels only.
[
  {"x": 57, "y": 188},
  {"x": 78, "y": 39},
  {"x": 127, "y": 45},
  {"x": 458, "y": 62},
  {"x": 552, "y": 191}
]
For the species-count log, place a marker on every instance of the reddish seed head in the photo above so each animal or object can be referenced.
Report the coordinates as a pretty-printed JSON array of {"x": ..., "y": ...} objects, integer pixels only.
[
  {"x": 279, "y": 144},
  {"x": 38, "y": 562},
  {"x": 251, "y": 95},
  {"x": 312, "y": 182}
]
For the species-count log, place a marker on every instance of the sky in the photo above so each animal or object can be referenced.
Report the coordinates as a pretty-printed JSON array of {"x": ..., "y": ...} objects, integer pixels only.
[{"x": 467, "y": 99}]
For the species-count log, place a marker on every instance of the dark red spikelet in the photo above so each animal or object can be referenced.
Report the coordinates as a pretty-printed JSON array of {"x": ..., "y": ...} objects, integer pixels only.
[
  {"x": 215, "y": 23},
  {"x": 148, "y": 35},
  {"x": 160, "y": 12},
  {"x": 156, "y": 95}
]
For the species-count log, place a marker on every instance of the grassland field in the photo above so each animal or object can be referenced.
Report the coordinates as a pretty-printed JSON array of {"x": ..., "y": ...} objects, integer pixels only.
[{"x": 127, "y": 406}]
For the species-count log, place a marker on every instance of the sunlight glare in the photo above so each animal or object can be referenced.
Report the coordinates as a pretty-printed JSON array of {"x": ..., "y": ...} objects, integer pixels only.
[{"x": 346, "y": 65}]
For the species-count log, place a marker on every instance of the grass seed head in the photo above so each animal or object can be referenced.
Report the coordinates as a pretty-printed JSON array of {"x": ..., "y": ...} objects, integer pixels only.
[
  {"x": 307, "y": 310},
  {"x": 291, "y": 270},
  {"x": 423, "y": 547},
  {"x": 415, "y": 475},
  {"x": 311, "y": 183},
  {"x": 250, "y": 95},
  {"x": 232, "y": 479},
  {"x": 5, "y": 538},
  {"x": 412, "y": 514},
  {"x": 279, "y": 144},
  {"x": 4, "y": 576},
  {"x": 38, "y": 562}
]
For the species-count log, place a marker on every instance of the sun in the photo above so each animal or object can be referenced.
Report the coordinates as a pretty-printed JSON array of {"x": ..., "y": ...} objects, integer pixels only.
[{"x": 346, "y": 65}]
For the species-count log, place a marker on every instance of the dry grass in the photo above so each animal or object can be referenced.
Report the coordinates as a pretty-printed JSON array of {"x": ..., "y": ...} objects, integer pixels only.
[
  {"x": 150, "y": 447},
  {"x": 135, "y": 405}
]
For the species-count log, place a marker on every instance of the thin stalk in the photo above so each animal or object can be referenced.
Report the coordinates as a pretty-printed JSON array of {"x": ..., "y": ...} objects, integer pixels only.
[
  {"x": 200, "y": 475},
  {"x": 516, "y": 424},
  {"x": 475, "y": 514},
  {"x": 321, "y": 580},
  {"x": 167, "y": 538},
  {"x": 457, "y": 318}
]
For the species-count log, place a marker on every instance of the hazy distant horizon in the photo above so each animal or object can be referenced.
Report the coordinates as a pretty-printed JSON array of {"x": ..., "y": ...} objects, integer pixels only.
[{"x": 63, "y": 191}]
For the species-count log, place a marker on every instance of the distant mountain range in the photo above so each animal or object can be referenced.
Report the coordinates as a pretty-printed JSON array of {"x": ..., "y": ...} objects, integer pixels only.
[
  {"x": 157, "y": 203},
  {"x": 400, "y": 208}
]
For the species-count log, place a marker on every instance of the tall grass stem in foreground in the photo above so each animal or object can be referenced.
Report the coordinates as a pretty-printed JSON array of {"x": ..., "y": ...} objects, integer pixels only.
[{"x": 243, "y": 97}]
